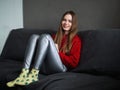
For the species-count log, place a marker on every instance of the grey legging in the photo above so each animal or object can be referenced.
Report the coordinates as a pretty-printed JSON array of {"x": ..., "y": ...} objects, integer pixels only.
[{"x": 46, "y": 58}]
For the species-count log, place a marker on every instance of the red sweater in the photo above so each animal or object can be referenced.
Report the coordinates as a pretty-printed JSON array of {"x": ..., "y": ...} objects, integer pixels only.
[{"x": 71, "y": 60}]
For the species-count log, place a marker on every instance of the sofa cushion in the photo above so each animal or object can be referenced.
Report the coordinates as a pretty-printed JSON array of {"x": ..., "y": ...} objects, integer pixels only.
[
  {"x": 9, "y": 67},
  {"x": 101, "y": 52},
  {"x": 17, "y": 41}
]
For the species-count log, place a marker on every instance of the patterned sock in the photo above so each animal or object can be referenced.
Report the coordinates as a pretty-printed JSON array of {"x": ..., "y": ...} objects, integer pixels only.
[
  {"x": 20, "y": 78},
  {"x": 32, "y": 77}
]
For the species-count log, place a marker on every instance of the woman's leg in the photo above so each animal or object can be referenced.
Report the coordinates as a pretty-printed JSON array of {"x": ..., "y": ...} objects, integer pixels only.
[
  {"x": 27, "y": 61},
  {"x": 45, "y": 48},
  {"x": 30, "y": 50},
  {"x": 52, "y": 62},
  {"x": 40, "y": 55}
]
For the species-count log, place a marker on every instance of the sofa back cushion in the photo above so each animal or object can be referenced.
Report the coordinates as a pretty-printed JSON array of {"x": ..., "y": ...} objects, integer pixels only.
[
  {"x": 17, "y": 41},
  {"x": 100, "y": 52}
]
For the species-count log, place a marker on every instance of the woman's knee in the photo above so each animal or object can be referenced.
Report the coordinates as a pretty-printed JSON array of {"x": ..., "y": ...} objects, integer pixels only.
[
  {"x": 43, "y": 39},
  {"x": 45, "y": 36},
  {"x": 34, "y": 37}
]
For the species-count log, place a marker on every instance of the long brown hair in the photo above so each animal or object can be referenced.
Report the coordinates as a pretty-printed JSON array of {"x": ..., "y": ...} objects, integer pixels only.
[{"x": 58, "y": 38}]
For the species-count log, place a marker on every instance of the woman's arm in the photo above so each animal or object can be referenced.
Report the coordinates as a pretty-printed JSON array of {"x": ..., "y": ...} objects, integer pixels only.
[{"x": 72, "y": 60}]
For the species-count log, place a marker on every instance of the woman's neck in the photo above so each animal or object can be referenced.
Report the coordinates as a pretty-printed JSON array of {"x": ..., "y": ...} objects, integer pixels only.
[{"x": 66, "y": 32}]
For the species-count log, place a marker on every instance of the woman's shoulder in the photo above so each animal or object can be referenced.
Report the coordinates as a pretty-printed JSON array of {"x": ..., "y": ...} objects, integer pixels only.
[
  {"x": 77, "y": 37},
  {"x": 76, "y": 40}
]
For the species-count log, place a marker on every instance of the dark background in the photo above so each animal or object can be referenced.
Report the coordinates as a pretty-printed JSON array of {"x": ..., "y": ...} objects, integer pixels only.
[{"x": 92, "y": 14}]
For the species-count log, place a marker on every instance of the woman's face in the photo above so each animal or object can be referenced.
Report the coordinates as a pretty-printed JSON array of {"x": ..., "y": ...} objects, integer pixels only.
[{"x": 67, "y": 22}]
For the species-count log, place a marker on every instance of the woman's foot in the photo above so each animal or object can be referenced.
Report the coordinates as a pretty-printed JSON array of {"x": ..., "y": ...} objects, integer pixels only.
[
  {"x": 21, "y": 78},
  {"x": 32, "y": 77}
]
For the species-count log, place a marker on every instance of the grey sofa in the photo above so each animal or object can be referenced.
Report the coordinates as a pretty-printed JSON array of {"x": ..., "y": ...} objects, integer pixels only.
[{"x": 98, "y": 69}]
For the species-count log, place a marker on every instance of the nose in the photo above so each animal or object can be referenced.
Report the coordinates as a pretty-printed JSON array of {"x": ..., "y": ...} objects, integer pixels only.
[{"x": 66, "y": 22}]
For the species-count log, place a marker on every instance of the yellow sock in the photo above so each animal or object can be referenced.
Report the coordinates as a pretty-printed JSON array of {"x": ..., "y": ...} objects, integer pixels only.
[
  {"x": 32, "y": 77},
  {"x": 20, "y": 78}
]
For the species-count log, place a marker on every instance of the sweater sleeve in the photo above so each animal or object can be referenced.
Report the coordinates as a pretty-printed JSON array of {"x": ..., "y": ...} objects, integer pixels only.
[{"x": 71, "y": 60}]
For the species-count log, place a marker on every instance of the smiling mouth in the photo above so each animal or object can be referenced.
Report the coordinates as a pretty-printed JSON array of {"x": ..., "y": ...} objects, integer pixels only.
[{"x": 66, "y": 26}]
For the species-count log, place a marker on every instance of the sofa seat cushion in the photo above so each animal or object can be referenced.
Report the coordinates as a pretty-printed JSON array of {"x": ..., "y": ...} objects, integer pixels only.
[
  {"x": 9, "y": 67},
  {"x": 74, "y": 81}
]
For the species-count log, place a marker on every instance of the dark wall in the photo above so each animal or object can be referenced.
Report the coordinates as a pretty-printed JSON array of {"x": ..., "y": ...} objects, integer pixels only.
[{"x": 92, "y": 14}]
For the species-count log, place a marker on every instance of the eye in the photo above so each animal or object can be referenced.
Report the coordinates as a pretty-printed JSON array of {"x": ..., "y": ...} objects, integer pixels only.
[
  {"x": 64, "y": 20},
  {"x": 70, "y": 21}
]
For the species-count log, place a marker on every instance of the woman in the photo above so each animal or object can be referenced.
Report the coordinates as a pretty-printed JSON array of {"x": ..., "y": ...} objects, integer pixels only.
[{"x": 52, "y": 55}]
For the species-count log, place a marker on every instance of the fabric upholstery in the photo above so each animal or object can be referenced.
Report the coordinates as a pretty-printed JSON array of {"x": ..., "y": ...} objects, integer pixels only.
[
  {"x": 100, "y": 52},
  {"x": 98, "y": 68}
]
